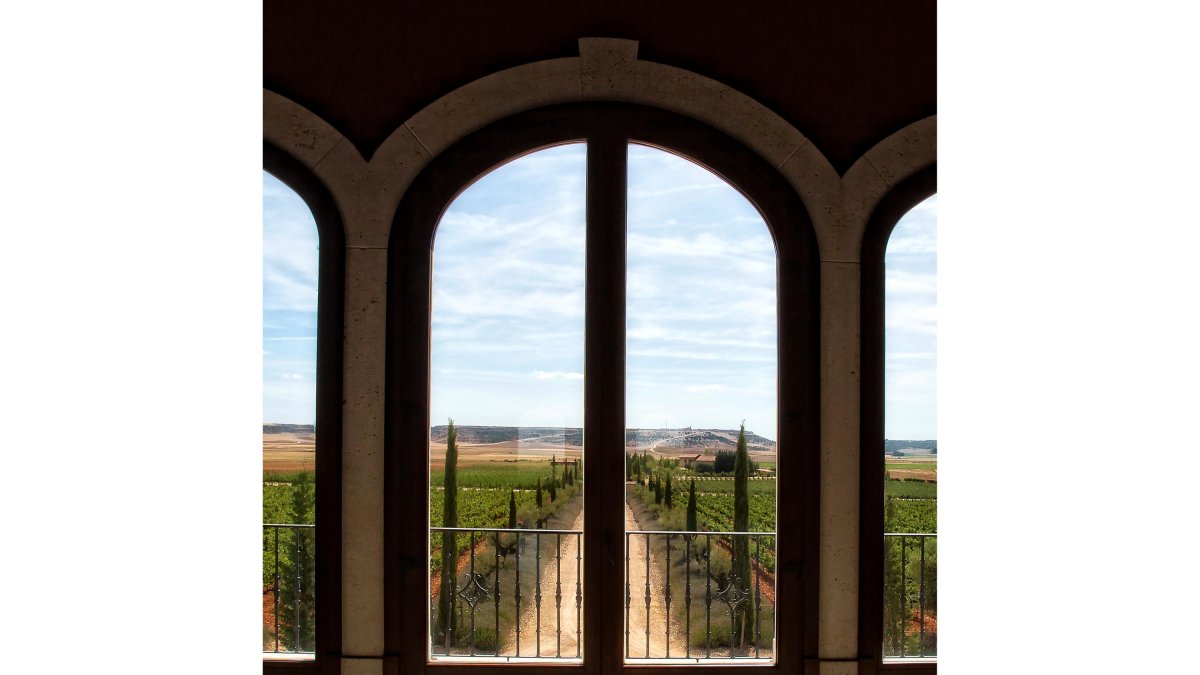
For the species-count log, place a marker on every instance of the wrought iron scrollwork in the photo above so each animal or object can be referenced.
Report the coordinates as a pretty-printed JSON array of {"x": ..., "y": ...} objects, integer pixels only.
[{"x": 474, "y": 590}]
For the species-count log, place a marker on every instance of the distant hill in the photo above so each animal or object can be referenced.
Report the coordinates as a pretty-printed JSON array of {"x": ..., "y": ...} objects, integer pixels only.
[
  {"x": 289, "y": 428},
  {"x": 715, "y": 439},
  {"x": 892, "y": 447},
  {"x": 548, "y": 435},
  {"x": 663, "y": 438}
]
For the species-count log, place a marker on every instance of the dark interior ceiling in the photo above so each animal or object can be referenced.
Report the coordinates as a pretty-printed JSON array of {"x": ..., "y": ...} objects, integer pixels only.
[{"x": 846, "y": 73}]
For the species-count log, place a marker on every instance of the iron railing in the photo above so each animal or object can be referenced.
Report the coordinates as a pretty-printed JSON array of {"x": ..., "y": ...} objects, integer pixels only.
[
  {"x": 909, "y": 595},
  {"x": 288, "y": 585},
  {"x": 517, "y": 594},
  {"x": 502, "y": 568},
  {"x": 737, "y": 599}
]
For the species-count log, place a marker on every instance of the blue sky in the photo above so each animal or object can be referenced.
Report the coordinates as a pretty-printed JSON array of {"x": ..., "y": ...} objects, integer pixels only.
[
  {"x": 508, "y": 302},
  {"x": 289, "y": 306},
  {"x": 910, "y": 340},
  {"x": 701, "y": 321}
]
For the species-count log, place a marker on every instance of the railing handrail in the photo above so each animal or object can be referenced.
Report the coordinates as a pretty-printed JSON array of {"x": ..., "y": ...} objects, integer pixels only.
[
  {"x": 536, "y": 531},
  {"x": 502, "y": 530},
  {"x": 747, "y": 534}
]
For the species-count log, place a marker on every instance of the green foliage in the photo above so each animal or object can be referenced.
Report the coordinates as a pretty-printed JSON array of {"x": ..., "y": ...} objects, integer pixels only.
[
  {"x": 912, "y": 489},
  {"x": 755, "y": 486},
  {"x": 480, "y": 507},
  {"x": 910, "y": 516},
  {"x": 512, "y": 509},
  {"x": 725, "y": 461},
  {"x": 909, "y": 582},
  {"x": 539, "y": 493},
  {"x": 743, "y": 619},
  {"x": 521, "y": 475},
  {"x": 667, "y": 493},
  {"x": 290, "y": 553},
  {"x": 691, "y": 508},
  {"x": 449, "y": 543}
]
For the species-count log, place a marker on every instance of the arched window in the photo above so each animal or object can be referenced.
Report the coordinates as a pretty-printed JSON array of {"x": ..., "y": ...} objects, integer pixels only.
[
  {"x": 612, "y": 365},
  {"x": 701, "y": 406},
  {"x": 910, "y": 436},
  {"x": 898, "y": 565},
  {"x": 506, "y": 398},
  {"x": 302, "y": 301}
]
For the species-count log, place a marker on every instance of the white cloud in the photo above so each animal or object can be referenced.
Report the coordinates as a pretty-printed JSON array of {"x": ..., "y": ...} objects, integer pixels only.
[
  {"x": 700, "y": 388},
  {"x": 700, "y": 356},
  {"x": 650, "y": 193},
  {"x": 556, "y": 374}
]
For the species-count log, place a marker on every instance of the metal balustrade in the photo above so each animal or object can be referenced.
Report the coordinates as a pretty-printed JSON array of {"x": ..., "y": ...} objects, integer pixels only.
[
  {"x": 510, "y": 596},
  {"x": 698, "y": 626},
  {"x": 909, "y": 595},
  {"x": 738, "y": 613},
  {"x": 502, "y": 567},
  {"x": 288, "y": 563}
]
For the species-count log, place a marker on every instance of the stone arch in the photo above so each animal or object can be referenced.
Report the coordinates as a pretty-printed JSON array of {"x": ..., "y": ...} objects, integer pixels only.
[{"x": 367, "y": 193}]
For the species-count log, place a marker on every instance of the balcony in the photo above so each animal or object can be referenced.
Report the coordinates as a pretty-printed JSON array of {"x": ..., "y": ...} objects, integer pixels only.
[
  {"x": 517, "y": 596},
  {"x": 909, "y": 596},
  {"x": 289, "y": 609}
]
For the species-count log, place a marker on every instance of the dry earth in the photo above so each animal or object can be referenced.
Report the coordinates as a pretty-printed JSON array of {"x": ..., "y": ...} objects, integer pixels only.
[
  {"x": 648, "y": 631},
  {"x": 565, "y": 617},
  {"x": 289, "y": 452}
]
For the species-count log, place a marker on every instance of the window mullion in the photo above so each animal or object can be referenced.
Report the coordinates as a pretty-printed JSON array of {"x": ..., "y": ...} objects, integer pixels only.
[{"x": 604, "y": 400}]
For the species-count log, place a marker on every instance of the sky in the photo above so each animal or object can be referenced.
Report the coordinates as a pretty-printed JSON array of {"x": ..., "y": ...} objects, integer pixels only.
[
  {"x": 910, "y": 325},
  {"x": 289, "y": 277},
  {"x": 508, "y": 302}
]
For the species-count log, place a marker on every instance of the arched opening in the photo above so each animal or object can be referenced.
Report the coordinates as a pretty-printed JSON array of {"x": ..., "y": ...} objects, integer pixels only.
[
  {"x": 506, "y": 400},
  {"x": 412, "y": 389},
  {"x": 701, "y": 410},
  {"x": 898, "y": 433},
  {"x": 290, "y": 277},
  {"x": 910, "y": 436},
  {"x": 303, "y": 283}
]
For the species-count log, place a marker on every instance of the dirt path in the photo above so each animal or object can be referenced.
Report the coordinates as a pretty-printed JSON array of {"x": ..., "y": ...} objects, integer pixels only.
[
  {"x": 565, "y": 616},
  {"x": 648, "y": 637},
  {"x": 568, "y": 618}
]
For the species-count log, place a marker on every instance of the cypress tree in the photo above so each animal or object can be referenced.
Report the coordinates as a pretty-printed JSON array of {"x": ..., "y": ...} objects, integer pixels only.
[
  {"x": 744, "y": 615},
  {"x": 553, "y": 492},
  {"x": 449, "y": 539},
  {"x": 539, "y": 494},
  {"x": 512, "y": 509},
  {"x": 691, "y": 508},
  {"x": 667, "y": 492},
  {"x": 658, "y": 493},
  {"x": 296, "y": 600}
]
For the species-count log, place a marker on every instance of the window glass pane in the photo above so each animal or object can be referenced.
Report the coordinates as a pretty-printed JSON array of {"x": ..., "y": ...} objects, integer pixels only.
[
  {"x": 701, "y": 379},
  {"x": 910, "y": 429},
  {"x": 289, "y": 413},
  {"x": 505, "y": 494}
]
